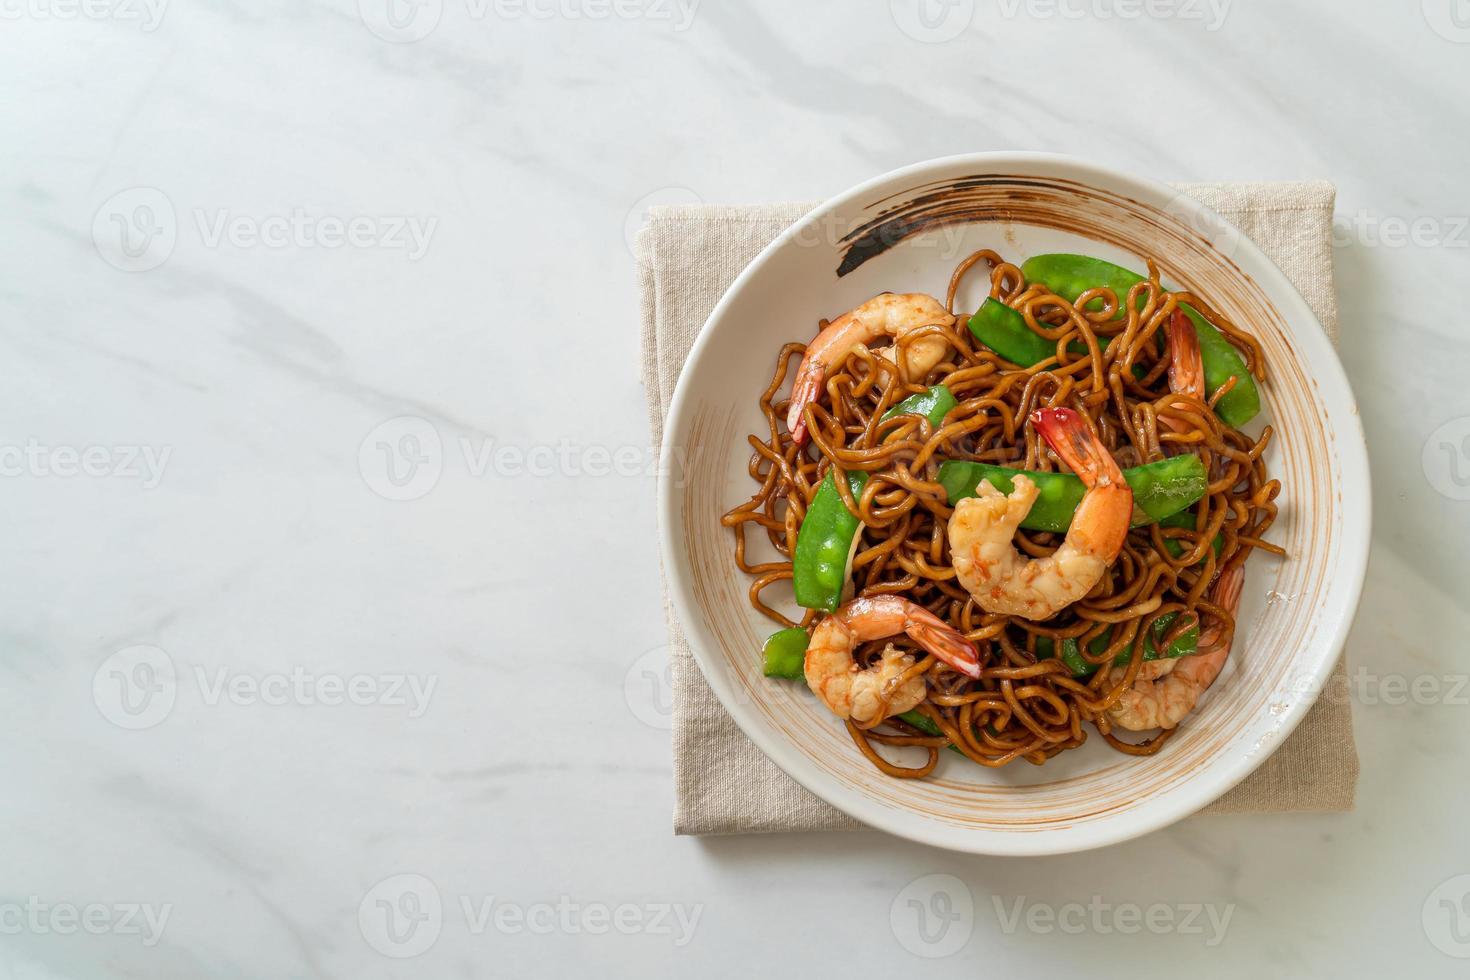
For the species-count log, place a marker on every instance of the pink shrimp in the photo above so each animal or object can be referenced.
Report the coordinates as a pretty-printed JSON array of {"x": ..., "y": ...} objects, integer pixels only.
[
  {"x": 867, "y": 696},
  {"x": 1186, "y": 364},
  {"x": 885, "y": 315},
  {"x": 982, "y": 528},
  {"x": 1163, "y": 702}
]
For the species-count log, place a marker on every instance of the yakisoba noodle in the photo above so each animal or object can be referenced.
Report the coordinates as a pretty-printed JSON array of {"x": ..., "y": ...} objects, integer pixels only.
[{"x": 1110, "y": 367}]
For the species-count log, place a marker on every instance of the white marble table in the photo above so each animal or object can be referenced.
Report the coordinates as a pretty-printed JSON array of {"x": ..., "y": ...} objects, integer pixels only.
[{"x": 260, "y": 689}]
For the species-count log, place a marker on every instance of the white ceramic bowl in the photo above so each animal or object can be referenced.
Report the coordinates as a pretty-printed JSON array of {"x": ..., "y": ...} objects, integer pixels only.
[{"x": 1295, "y": 614}]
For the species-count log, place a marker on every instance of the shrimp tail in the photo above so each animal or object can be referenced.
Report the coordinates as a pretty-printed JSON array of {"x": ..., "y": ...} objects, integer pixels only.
[
  {"x": 1100, "y": 525},
  {"x": 948, "y": 646},
  {"x": 1230, "y": 584},
  {"x": 1070, "y": 438},
  {"x": 804, "y": 390},
  {"x": 1186, "y": 364},
  {"x": 1225, "y": 593}
]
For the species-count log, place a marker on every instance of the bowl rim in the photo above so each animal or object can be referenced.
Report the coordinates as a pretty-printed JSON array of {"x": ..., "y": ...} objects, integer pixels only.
[{"x": 1213, "y": 780}]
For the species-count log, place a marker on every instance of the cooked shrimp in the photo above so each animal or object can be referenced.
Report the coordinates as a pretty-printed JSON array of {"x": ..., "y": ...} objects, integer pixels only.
[
  {"x": 1164, "y": 702},
  {"x": 1151, "y": 670},
  {"x": 1186, "y": 364},
  {"x": 981, "y": 529},
  {"x": 885, "y": 315},
  {"x": 867, "y": 696},
  {"x": 1186, "y": 369}
]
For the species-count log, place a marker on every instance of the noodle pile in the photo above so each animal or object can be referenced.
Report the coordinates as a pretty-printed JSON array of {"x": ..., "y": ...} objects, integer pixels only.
[{"x": 1022, "y": 706}]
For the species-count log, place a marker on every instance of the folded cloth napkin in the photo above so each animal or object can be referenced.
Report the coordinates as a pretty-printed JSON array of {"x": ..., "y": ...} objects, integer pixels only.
[{"x": 687, "y": 257}]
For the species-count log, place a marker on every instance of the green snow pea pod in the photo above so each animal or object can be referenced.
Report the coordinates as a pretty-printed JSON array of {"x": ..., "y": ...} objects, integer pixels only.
[
  {"x": 933, "y": 404},
  {"x": 784, "y": 654},
  {"x": 825, "y": 544},
  {"x": 1004, "y": 331},
  {"x": 1159, "y": 489},
  {"x": 1069, "y": 276}
]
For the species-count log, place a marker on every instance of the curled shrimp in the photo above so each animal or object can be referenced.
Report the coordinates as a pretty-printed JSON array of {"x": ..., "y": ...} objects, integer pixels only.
[
  {"x": 867, "y": 696},
  {"x": 981, "y": 529},
  {"x": 885, "y": 315},
  {"x": 1163, "y": 701}
]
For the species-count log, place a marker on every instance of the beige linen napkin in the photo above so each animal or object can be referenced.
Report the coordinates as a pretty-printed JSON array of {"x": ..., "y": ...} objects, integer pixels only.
[{"x": 687, "y": 256}]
